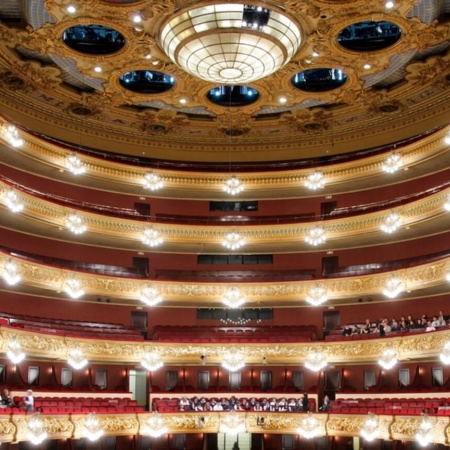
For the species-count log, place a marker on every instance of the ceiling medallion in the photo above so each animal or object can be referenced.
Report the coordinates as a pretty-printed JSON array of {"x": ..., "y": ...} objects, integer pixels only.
[{"x": 230, "y": 43}]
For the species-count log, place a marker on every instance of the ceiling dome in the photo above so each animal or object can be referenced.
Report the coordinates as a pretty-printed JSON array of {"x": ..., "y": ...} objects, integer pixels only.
[{"x": 230, "y": 43}]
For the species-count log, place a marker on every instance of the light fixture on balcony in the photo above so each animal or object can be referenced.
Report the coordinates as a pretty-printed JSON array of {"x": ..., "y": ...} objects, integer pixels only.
[
  {"x": 230, "y": 43},
  {"x": 75, "y": 224},
  {"x": 424, "y": 433},
  {"x": 151, "y": 362},
  {"x": 10, "y": 274},
  {"x": 309, "y": 427},
  {"x": 394, "y": 286},
  {"x": 391, "y": 223},
  {"x": 36, "y": 430},
  {"x": 447, "y": 203},
  {"x": 445, "y": 353},
  {"x": 233, "y": 185},
  {"x": 15, "y": 353},
  {"x": 92, "y": 428},
  {"x": 392, "y": 163},
  {"x": 152, "y": 181},
  {"x": 316, "y": 361},
  {"x": 233, "y": 298},
  {"x": 150, "y": 296},
  {"x": 151, "y": 237},
  {"x": 232, "y": 423},
  {"x": 76, "y": 358},
  {"x": 73, "y": 288},
  {"x": 12, "y": 201},
  {"x": 233, "y": 241},
  {"x": 316, "y": 236},
  {"x": 447, "y": 138},
  {"x": 155, "y": 426},
  {"x": 75, "y": 165},
  {"x": 233, "y": 361},
  {"x": 388, "y": 359},
  {"x": 371, "y": 428},
  {"x": 13, "y": 137},
  {"x": 315, "y": 181},
  {"x": 316, "y": 296}
]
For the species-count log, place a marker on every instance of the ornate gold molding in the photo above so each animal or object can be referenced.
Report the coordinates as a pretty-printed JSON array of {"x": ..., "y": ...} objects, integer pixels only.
[
  {"x": 408, "y": 348},
  {"x": 72, "y": 426}
]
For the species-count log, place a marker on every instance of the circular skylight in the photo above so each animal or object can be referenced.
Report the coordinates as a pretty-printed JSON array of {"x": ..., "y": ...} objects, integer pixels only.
[
  {"x": 319, "y": 80},
  {"x": 93, "y": 39},
  {"x": 369, "y": 36},
  {"x": 146, "y": 81},
  {"x": 230, "y": 43},
  {"x": 233, "y": 95}
]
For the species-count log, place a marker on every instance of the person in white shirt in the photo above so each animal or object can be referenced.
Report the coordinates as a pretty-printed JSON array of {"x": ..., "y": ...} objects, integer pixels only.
[{"x": 28, "y": 401}]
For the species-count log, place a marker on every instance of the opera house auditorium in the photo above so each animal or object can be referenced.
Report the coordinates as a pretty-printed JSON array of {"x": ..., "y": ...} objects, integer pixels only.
[{"x": 224, "y": 225}]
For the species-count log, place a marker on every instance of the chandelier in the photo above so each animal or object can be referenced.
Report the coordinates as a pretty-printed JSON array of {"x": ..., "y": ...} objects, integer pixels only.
[
  {"x": 316, "y": 296},
  {"x": 150, "y": 296},
  {"x": 316, "y": 236},
  {"x": 155, "y": 426},
  {"x": 316, "y": 362},
  {"x": 233, "y": 185},
  {"x": 15, "y": 352},
  {"x": 315, "y": 181},
  {"x": 75, "y": 165},
  {"x": 151, "y": 362},
  {"x": 12, "y": 201},
  {"x": 152, "y": 181},
  {"x": 76, "y": 358},
  {"x": 13, "y": 137},
  {"x": 388, "y": 359},
  {"x": 370, "y": 429},
  {"x": 309, "y": 427},
  {"x": 392, "y": 163},
  {"x": 391, "y": 223},
  {"x": 445, "y": 353},
  {"x": 75, "y": 224},
  {"x": 231, "y": 423},
  {"x": 233, "y": 241},
  {"x": 230, "y": 43},
  {"x": 233, "y": 298},
  {"x": 151, "y": 237},
  {"x": 10, "y": 274},
  {"x": 424, "y": 433},
  {"x": 92, "y": 428},
  {"x": 447, "y": 203},
  {"x": 233, "y": 362},
  {"x": 394, "y": 286},
  {"x": 73, "y": 288},
  {"x": 36, "y": 430}
]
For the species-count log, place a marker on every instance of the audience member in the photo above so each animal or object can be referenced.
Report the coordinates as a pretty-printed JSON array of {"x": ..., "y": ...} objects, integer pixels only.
[
  {"x": 28, "y": 401},
  {"x": 6, "y": 400}
]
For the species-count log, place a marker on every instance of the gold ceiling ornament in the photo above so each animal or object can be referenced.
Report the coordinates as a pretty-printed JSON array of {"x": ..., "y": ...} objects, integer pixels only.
[
  {"x": 36, "y": 430},
  {"x": 371, "y": 428},
  {"x": 309, "y": 427},
  {"x": 155, "y": 426},
  {"x": 232, "y": 423},
  {"x": 230, "y": 43}
]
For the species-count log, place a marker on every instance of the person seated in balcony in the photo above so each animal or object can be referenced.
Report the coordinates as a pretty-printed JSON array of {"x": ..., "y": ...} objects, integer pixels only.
[
  {"x": 365, "y": 329},
  {"x": 217, "y": 406},
  {"x": 387, "y": 326},
  {"x": 272, "y": 404},
  {"x": 238, "y": 406},
  {"x": 430, "y": 327},
  {"x": 226, "y": 405},
  {"x": 193, "y": 403},
  {"x": 369, "y": 324},
  {"x": 326, "y": 404},
  {"x": 292, "y": 405},
  {"x": 348, "y": 331},
  {"x": 246, "y": 405},
  {"x": 403, "y": 326},
  {"x": 252, "y": 402},
  {"x": 438, "y": 322},
  {"x": 444, "y": 316},
  {"x": 184, "y": 404},
  {"x": 379, "y": 329},
  {"x": 305, "y": 402},
  {"x": 6, "y": 400},
  {"x": 395, "y": 326},
  {"x": 281, "y": 407},
  {"x": 28, "y": 401},
  {"x": 257, "y": 407},
  {"x": 207, "y": 407},
  {"x": 233, "y": 400}
]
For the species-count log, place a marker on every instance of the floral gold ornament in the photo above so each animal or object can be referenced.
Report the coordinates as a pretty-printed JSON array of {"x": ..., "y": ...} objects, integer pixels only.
[
  {"x": 155, "y": 426},
  {"x": 394, "y": 286},
  {"x": 233, "y": 361},
  {"x": 150, "y": 296},
  {"x": 424, "y": 435},
  {"x": 316, "y": 296},
  {"x": 233, "y": 298},
  {"x": 10, "y": 273},
  {"x": 36, "y": 430},
  {"x": 316, "y": 361},
  {"x": 73, "y": 288},
  {"x": 444, "y": 356},
  {"x": 76, "y": 358},
  {"x": 15, "y": 353},
  {"x": 92, "y": 429},
  {"x": 232, "y": 423},
  {"x": 309, "y": 427},
  {"x": 371, "y": 428}
]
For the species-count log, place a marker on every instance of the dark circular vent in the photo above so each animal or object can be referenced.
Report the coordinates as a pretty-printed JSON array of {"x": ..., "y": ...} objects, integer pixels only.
[
  {"x": 146, "y": 81},
  {"x": 369, "y": 36},
  {"x": 389, "y": 108},
  {"x": 93, "y": 39},
  {"x": 13, "y": 81},
  {"x": 233, "y": 95},
  {"x": 319, "y": 80}
]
